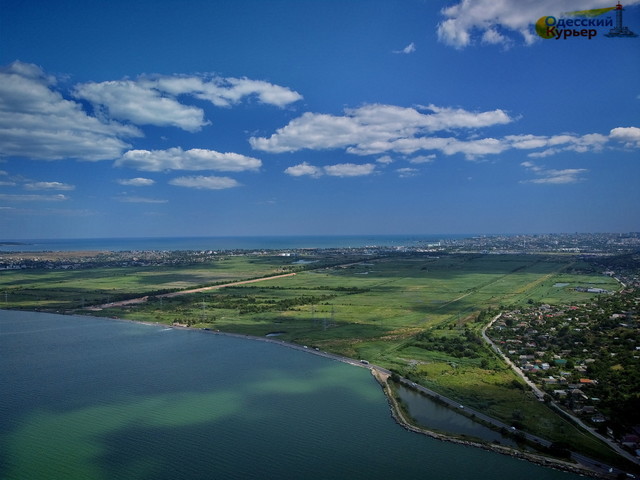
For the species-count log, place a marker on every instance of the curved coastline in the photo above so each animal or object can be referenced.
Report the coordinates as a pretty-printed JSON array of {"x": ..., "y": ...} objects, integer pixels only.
[
  {"x": 381, "y": 375},
  {"x": 399, "y": 417}
]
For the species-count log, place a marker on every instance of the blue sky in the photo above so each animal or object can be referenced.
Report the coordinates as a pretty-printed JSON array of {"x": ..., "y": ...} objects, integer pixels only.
[{"x": 291, "y": 117}]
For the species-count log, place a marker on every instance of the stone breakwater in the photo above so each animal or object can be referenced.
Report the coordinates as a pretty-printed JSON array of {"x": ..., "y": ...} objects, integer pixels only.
[{"x": 399, "y": 417}]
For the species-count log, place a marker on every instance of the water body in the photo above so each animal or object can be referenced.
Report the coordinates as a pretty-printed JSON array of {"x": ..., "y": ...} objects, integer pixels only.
[
  {"x": 89, "y": 398},
  {"x": 430, "y": 414},
  {"x": 223, "y": 243}
]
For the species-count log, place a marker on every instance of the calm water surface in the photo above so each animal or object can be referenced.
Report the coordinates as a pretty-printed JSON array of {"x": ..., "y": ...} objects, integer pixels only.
[
  {"x": 88, "y": 398},
  {"x": 225, "y": 243}
]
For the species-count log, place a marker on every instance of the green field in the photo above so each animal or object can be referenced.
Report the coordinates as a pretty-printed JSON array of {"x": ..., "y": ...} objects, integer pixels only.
[{"x": 419, "y": 315}]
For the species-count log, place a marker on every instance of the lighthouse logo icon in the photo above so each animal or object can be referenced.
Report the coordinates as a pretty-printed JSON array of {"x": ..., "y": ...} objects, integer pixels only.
[{"x": 619, "y": 30}]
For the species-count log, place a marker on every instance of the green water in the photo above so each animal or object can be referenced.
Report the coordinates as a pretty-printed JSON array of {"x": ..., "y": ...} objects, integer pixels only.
[{"x": 85, "y": 398}]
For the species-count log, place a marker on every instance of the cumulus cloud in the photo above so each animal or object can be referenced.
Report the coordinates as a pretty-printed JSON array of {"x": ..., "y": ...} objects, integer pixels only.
[
  {"x": 194, "y": 159},
  {"x": 349, "y": 170},
  {"x": 373, "y": 129},
  {"x": 385, "y": 129},
  {"x": 630, "y": 136},
  {"x": 153, "y": 100},
  {"x": 136, "y": 182},
  {"x": 337, "y": 170},
  {"x": 205, "y": 183},
  {"x": 553, "y": 176},
  {"x": 128, "y": 100},
  {"x": 222, "y": 92},
  {"x": 304, "y": 169},
  {"x": 48, "y": 186},
  {"x": 37, "y": 122},
  {"x": 559, "y": 143},
  {"x": 491, "y": 20}
]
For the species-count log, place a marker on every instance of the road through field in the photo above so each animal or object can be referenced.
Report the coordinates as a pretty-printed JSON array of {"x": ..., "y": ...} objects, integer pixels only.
[{"x": 137, "y": 301}]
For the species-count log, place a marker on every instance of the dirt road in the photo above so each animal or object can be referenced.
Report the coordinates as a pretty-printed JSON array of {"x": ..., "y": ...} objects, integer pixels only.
[{"x": 137, "y": 301}]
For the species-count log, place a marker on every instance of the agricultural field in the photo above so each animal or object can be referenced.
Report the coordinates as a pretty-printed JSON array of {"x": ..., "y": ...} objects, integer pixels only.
[
  {"x": 417, "y": 314},
  {"x": 68, "y": 289}
]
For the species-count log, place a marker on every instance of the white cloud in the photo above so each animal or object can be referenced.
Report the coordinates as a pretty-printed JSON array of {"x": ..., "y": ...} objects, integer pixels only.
[
  {"x": 468, "y": 20},
  {"x": 472, "y": 149},
  {"x": 312, "y": 131},
  {"x": 37, "y": 122},
  {"x": 266, "y": 92},
  {"x": 338, "y": 170},
  {"x": 303, "y": 169},
  {"x": 559, "y": 143},
  {"x": 408, "y": 49},
  {"x": 136, "y": 182},
  {"x": 569, "y": 175},
  {"x": 422, "y": 159},
  {"x": 350, "y": 170},
  {"x": 628, "y": 135},
  {"x": 373, "y": 128},
  {"x": 376, "y": 129},
  {"x": 223, "y": 92},
  {"x": 526, "y": 142},
  {"x": 205, "y": 183},
  {"x": 407, "y": 172},
  {"x": 153, "y": 100},
  {"x": 128, "y": 100},
  {"x": 552, "y": 176},
  {"x": 528, "y": 164},
  {"x": 493, "y": 37},
  {"x": 33, "y": 198},
  {"x": 385, "y": 160},
  {"x": 48, "y": 186},
  {"x": 194, "y": 159}
]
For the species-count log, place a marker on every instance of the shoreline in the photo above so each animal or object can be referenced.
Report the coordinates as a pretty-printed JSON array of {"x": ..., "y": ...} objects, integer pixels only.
[
  {"x": 381, "y": 375},
  {"x": 549, "y": 462}
]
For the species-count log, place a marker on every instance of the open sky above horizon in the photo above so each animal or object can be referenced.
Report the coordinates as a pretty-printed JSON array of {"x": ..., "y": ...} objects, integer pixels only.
[{"x": 309, "y": 117}]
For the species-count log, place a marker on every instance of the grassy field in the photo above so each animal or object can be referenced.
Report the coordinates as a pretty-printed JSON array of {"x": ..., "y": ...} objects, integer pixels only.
[
  {"x": 415, "y": 314},
  {"x": 71, "y": 289}
]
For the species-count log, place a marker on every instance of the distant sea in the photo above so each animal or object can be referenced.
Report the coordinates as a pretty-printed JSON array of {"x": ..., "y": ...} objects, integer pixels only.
[{"x": 223, "y": 243}]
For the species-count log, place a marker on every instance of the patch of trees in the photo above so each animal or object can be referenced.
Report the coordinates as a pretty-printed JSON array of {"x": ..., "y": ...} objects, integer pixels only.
[
  {"x": 484, "y": 316},
  {"x": 460, "y": 346},
  {"x": 253, "y": 304}
]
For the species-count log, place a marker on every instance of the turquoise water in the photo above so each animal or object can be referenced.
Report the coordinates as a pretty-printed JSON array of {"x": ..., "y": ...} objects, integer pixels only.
[{"x": 88, "y": 398}]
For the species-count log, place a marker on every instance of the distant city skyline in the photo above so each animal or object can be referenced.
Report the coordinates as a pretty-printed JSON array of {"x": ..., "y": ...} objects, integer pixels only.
[{"x": 245, "y": 118}]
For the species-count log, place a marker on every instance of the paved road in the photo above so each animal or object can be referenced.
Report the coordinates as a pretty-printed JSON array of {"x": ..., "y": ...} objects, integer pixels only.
[{"x": 540, "y": 394}]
